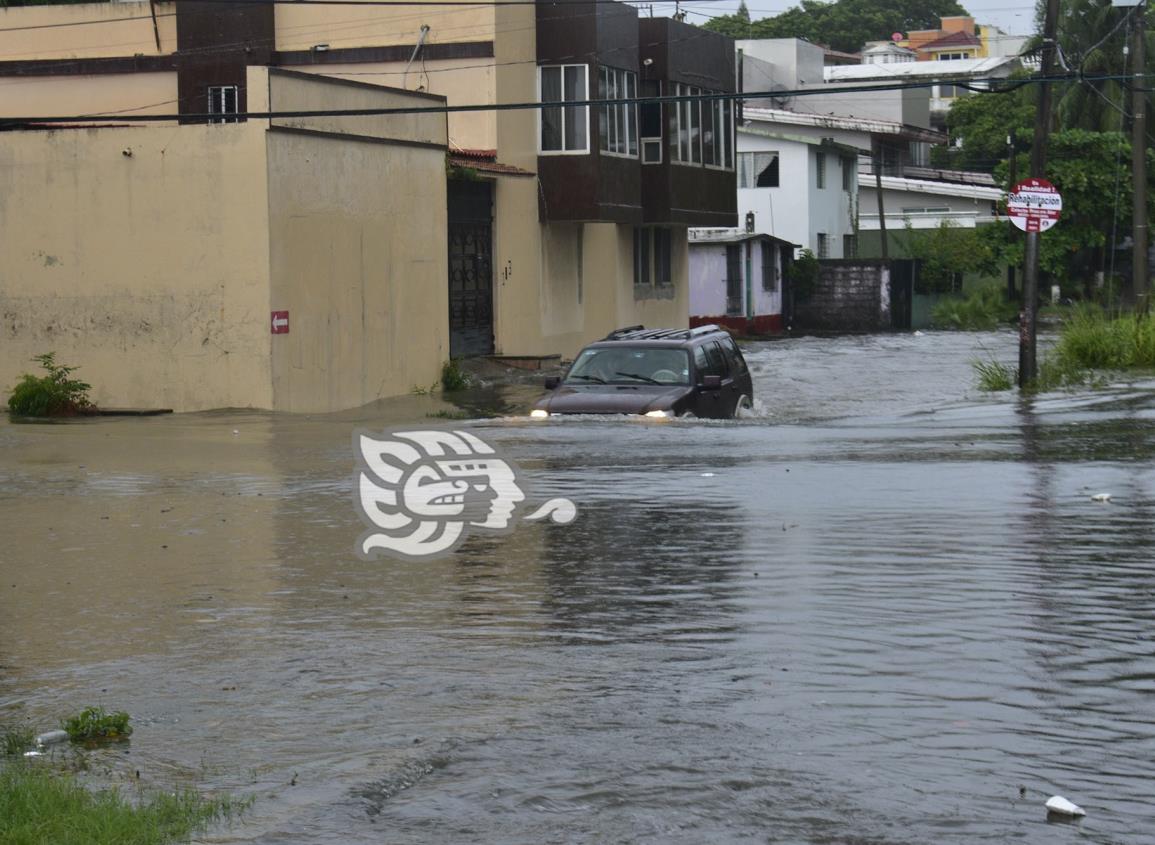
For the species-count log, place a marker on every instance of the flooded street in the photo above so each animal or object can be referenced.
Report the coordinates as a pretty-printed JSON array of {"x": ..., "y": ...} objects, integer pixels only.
[{"x": 886, "y": 610}]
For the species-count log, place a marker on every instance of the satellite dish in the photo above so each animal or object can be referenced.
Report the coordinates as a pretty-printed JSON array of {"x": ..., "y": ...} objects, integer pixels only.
[{"x": 896, "y": 36}]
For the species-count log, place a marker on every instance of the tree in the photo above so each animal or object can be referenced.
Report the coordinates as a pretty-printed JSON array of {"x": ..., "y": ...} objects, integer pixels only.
[
  {"x": 843, "y": 24},
  {"x": 980, "y": 125}
]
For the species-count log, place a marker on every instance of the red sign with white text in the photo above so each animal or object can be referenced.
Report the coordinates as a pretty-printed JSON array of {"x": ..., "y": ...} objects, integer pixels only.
[
  {"x": 1034, "y": 205},
  {"x": 280, "y": 322}
]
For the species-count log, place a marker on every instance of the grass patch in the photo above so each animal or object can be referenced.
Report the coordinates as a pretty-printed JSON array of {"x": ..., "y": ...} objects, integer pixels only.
[
  {"x": 1094, "y": 340},
  {"x": 16, "y": 739},
  {"x": 453, "y": 377},
  {"x": 41, "y": 806},
  {"x": 96, "y": 724},
  {"x": 55, "y": 394},
  {"x": 984, "y": 308},
  {"x": 994, "y": 376}
]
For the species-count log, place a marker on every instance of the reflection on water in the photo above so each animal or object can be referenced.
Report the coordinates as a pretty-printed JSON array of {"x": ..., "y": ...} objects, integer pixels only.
[{"x": 872, "y": 615}]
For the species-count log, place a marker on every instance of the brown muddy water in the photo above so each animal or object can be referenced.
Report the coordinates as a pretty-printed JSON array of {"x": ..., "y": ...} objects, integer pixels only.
[{"x": 885, "y": 611}]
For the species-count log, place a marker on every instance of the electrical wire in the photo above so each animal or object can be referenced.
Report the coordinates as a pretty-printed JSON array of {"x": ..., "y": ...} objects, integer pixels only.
[{"x": 496, "y": 107}]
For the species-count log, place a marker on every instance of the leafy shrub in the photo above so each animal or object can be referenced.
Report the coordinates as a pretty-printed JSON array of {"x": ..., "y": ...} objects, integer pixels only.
[
  {"x": 984, "y": 308},
  {"x": 802, "y": 273},
  {"x": 94, "y": 723},
  {"x": 53, "y": 395},
  {"x": 453, "y": 377}
]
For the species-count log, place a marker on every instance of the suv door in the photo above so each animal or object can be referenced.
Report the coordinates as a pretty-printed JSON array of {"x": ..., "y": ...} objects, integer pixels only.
[
  {"x": 709, "y": 360},
  {"x": 743, "y": 382}
]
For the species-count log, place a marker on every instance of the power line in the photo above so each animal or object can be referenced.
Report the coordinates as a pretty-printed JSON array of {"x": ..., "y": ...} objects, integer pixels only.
[{"x": 495, "y": 107}]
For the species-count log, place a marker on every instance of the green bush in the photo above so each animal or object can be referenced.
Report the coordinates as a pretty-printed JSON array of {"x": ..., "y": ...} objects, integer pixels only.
[
  {"x": 94, "y": 724},
  {"x": 16, "y": 739},
  {"x": 803, "y": 273},
  {"x": 453, "y": 377},
  {"x": 984, "y": 308},
  {"x": 53, "y": 395}
]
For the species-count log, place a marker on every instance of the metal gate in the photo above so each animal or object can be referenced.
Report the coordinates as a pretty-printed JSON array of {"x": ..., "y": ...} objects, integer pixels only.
[
  {"x": 734, "y": 280},
  {"x": 903, "y": 272},
  {"x": 470, "y": 268}
]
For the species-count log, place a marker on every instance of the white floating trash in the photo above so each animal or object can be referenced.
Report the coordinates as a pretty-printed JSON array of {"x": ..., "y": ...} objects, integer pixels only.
[
  {"x": 1060, "y": 806},
  {"x": 1101, "y": 497}
]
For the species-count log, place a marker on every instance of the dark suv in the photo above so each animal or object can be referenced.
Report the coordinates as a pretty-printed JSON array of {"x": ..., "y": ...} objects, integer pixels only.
[{"x": 655, "y": 372}]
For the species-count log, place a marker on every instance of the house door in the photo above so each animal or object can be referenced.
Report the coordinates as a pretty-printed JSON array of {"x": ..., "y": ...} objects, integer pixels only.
[
  {"x": 470, "y": 268},
  {"x": 734, "y": 280}
]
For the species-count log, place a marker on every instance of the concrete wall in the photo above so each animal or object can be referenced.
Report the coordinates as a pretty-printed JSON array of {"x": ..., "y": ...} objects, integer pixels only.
[
  {"x": 85, "y": 30},
  {"x": 460, "y": 81},
  {"x": 64, "y": 96},
  {"x": 850, "y": 296},
  {"x": 149, "y": 271},
  {"x": 357, "y": 243},
  {"x": 300, "y": 27},
  {"x": 358, "y": 258}
]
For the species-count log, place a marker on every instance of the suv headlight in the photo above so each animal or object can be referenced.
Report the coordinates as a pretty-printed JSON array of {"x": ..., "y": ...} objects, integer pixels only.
[
  {"x": 539, "y": 413},
  {"x": 660, "y": 415}
]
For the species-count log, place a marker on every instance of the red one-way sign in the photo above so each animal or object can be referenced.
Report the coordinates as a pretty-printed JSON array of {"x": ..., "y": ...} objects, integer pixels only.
[
  {"x": 280, "y": 322},
  {"x": 1034, "y": 205}
]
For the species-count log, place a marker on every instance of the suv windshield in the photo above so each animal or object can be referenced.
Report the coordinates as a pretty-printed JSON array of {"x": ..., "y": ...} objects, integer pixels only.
[{"x": 630, "y": 365}]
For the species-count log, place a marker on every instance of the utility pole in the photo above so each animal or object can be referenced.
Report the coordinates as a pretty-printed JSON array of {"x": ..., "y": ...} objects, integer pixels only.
[
  {"x": 1028, "y": 316},
  {"x": 877, "y": 168},
  {"x": 1012, "y": 180},
  {"x": 1139, "y": 88}
]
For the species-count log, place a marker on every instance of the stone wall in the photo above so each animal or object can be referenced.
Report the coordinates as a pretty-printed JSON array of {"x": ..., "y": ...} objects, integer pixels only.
[{"x": 850, "y": 296}]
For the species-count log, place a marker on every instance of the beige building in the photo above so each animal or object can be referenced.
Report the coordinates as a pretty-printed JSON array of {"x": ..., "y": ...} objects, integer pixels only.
[
  {"x": 157, "y": 257},
  {"x": 555, "y": 226}
]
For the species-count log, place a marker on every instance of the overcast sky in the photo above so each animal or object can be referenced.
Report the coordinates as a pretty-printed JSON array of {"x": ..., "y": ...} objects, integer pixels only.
[{"x": 1012, "y": 16}]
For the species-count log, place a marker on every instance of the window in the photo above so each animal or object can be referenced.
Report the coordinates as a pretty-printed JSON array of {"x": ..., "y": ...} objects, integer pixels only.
[
  {"x": 715, "y": 360},
  {"x": 652, "y": 258},
  {"x": 758, "y": 170},
  {"x": 223, "y": 101},
  {"x": 618, "y": 129},
  {"x": 734, "y": 285},
  {"x": 823, "y": 245},
  {"x": 734, "y": 359},
  {"x": 950, "y": 57},
  {"x": 769, "y": 267},
  {"x": 849, "y": 246},
  {"x": 820, "y": 164},
  {"x": 702, "y": 130},
  {"x": 849, "y": 165},
  {"x": 650, "y": 115},
  {"x": 564, "y": 129}
]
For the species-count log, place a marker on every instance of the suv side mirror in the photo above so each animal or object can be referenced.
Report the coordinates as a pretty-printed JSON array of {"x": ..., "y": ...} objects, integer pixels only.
[
  {"x": 552, "y": 382},
  {"x": 711, "y": 382}
]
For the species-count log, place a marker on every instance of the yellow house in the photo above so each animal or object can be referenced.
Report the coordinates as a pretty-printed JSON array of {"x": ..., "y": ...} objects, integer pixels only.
[{"x": 556, "y": 224}]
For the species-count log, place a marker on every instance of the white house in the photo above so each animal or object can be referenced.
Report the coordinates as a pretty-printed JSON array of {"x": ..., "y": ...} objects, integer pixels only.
[
  {"x": 959, "y": 199},
  {"x": 949, "y": 78},
  {"x": 737, "y": 280},
  {"x": 798, "y": 173}
]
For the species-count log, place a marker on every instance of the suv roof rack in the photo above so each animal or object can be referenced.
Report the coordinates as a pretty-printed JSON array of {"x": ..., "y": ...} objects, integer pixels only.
[{"x": 642, "y": 333}]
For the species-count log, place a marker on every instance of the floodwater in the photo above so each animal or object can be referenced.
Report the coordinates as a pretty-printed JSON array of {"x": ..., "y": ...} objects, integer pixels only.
[{"x": 884, "y": 611}]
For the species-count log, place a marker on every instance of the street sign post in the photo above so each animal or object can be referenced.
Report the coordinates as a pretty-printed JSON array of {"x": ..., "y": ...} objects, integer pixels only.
[{"x": 1034, "y": 205}]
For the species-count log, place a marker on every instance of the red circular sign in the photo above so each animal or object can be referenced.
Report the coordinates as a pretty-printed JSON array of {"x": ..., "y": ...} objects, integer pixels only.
[{"x": 1034, "y": 205}]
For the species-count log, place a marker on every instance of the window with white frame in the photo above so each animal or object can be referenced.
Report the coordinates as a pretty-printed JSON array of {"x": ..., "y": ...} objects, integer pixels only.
[
  {"x": 758, "y": 170},
  {"x": 950, "y": 57},
  {"x": 618, "y": 127},
  {"x": 563, "y": 129},
  {"x": 223, "y": 101},
  {"x": 650, "y": 120},
  {"x": 702, "y": 131}
]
